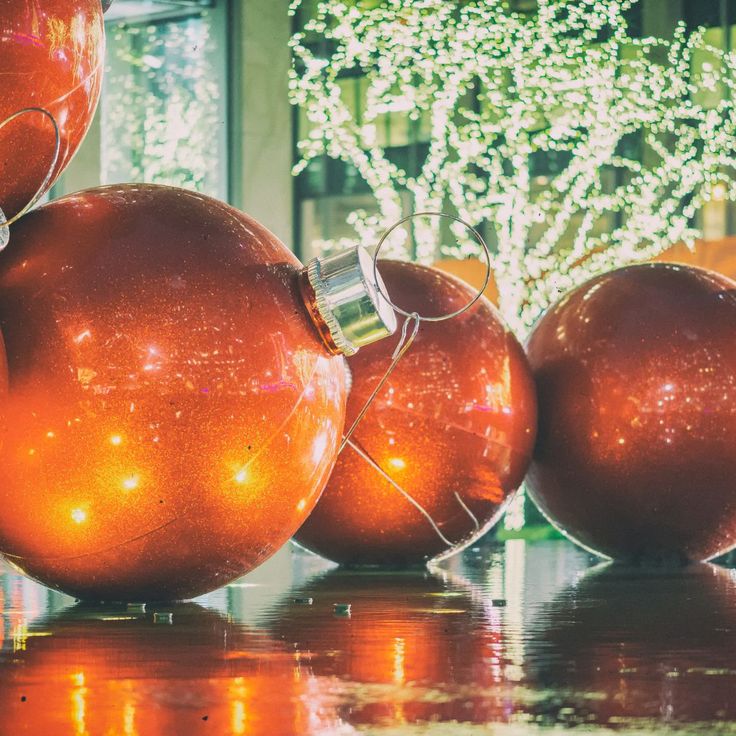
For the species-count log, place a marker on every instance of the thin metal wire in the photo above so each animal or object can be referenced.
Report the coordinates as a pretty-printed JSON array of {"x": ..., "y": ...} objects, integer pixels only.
[
  {"x": 476, "y": 235},
  {"x": 406, "y": 495},
  {"x": 413, "y": 318},
  {"x": 44, "y": 184},
  {"x": 405, "y": 342},
  {"x": 403, "y": 345}
]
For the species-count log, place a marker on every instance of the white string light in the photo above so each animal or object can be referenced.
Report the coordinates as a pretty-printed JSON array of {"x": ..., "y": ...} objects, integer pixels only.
[{"x": 501, "y": 89}]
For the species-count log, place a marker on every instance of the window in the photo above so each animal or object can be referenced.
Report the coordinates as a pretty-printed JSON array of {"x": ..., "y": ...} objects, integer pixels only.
[{"x": 163, "y": 107}]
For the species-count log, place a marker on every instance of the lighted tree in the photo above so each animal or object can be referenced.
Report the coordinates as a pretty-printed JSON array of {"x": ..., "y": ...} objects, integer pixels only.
[{"x": 635, "y": 132}]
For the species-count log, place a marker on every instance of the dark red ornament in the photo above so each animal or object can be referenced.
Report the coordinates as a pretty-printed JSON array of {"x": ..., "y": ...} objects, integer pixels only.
[
  {"x": 636, "y": 380},
  {"x": 51, "y": 56},
  {"x": 173, "y": 414},
  {"x": 453, "y": 427}
]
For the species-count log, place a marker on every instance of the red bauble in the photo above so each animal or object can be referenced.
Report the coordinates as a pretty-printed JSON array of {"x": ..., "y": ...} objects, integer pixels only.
[
  {"x": 636, "y": 379},
  {"x": 51, "y": 56},
  {"x": 453, "y": 426},
  {"x": 173, "y": 414}
]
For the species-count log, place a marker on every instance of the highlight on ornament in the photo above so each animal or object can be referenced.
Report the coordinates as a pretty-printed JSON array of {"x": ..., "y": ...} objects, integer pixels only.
[
  {"x": 175, "y": 394},
  {"x": 636, "y": 380}
]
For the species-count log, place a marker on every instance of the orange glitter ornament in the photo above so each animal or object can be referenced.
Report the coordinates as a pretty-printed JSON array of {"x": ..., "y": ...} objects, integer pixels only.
[
  {"x": 173, "y": 413},
  {"x": 453, "y": 427},
  {"x": 51, "y": 56}
]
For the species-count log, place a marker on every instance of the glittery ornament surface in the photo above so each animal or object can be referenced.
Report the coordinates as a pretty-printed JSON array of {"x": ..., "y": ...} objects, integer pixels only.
[
  {"x": 636, "y": 377},
  {"x": 173, "y": 414},
  {"x": 453, "y": 427},
  {"x": 51, "y": 56}
]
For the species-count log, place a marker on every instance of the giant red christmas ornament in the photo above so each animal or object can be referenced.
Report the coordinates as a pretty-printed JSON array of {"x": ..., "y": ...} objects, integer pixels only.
[
  {"x": 636, "y": 379},
  {"x": 51, "y": 57},
  {"x": 173, "y": 413},
  {"x": 453, "y": 428}
]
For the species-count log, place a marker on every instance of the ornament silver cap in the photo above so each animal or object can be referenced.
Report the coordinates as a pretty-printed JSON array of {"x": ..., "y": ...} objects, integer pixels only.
[{"x": 347, "y": 299}]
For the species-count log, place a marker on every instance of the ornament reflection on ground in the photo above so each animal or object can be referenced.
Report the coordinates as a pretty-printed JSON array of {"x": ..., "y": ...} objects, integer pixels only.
[
  {"x": 408, "y": 632},
  {"x": 133, "y": 673},
  {"x": 628, "y": 646}
]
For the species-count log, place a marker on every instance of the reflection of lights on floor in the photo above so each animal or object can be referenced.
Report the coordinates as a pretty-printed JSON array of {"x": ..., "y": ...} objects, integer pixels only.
[
  {"x": 514, "y": 519},
  {"x": 399, "y": 659},
  {"x": 238, "y": 692},
  {"x": 129, "y": 719},
  {"x": 79, "y": 703},
  {"x": 514, "y": 576}
]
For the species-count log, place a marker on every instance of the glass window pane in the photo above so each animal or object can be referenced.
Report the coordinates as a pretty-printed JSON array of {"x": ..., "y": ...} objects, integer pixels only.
[{"x": 163, "y": 111}]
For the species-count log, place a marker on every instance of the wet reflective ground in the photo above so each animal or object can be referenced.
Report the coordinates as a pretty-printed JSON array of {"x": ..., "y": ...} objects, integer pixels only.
[{"x": 516, "y": 639}]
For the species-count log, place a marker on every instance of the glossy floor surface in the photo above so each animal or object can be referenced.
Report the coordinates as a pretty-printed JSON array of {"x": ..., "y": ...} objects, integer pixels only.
[{"x": 515, "y": 639}]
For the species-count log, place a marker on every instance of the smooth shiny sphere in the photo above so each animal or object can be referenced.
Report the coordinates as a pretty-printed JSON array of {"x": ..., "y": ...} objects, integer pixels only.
[
  {"x": 453, "y": 428},
  {"x": 172, "y": 415},
  {"x": 51, "y": 56},
  {"x": 636, "y": 381}
]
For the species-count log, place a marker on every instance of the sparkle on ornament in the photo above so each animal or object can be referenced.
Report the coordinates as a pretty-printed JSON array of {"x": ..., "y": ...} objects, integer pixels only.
[
  {"x": 131, "y": 482},
  {"x": 397, "y": 463},
  {"x": 79, "y": 516}
]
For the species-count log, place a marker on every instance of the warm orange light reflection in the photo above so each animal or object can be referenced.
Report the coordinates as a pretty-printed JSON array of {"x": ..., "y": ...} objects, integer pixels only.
[
  {"x": 406, "y": 629},
  {"x": 97, "y": 672},
  {"x": 79, "y": 516}
]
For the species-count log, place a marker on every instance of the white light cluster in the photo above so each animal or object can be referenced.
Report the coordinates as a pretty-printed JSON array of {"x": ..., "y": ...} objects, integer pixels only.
[{"x": 501, "y": 88}]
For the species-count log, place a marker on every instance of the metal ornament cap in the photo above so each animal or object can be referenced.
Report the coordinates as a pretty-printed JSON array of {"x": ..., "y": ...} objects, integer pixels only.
[
  {"x": 349, "y": 300},
  {"x": 4, "y": 231}
]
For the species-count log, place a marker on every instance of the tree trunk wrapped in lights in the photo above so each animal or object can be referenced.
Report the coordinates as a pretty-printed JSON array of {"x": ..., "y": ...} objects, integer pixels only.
[{"x": 635, "y": 132}]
